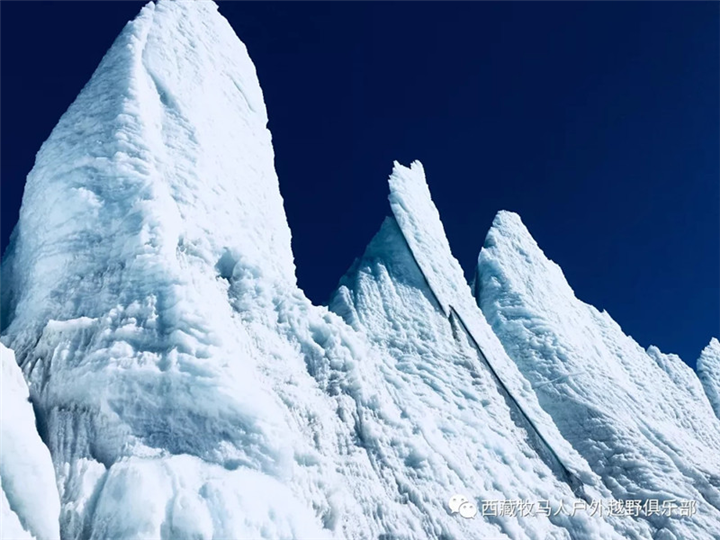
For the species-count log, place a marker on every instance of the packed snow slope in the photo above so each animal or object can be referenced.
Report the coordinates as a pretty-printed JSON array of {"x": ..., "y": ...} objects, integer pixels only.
[
  {"x": 708, "y": 368},
  {"x": 186, "y": 388},
  {"x": 640, "y": 418}
]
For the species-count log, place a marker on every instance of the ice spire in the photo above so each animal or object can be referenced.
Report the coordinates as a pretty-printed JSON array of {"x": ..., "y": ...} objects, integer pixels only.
[
  {"x": 150, "y": 225},
  {"x": 162, "y": 163}
]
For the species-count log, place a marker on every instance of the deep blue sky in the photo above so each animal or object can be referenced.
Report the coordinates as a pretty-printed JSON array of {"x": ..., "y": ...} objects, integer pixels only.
[{"x": 597, "y": 122}]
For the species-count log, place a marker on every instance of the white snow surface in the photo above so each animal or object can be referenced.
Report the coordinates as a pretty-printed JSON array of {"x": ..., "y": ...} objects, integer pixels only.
[
  {"x": 708, "y": 369},
  {"x": 640, "y": 418},
  {"x": 186, "y": 388},
  {"x": 30, "y": 502}
]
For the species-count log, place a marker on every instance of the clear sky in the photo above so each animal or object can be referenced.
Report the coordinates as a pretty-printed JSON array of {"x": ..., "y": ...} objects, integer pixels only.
[{"x": 598, "y": 122}]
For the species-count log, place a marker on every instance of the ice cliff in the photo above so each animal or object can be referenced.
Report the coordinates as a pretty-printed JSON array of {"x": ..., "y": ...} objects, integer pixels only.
[{"x": 184, "y": 387}]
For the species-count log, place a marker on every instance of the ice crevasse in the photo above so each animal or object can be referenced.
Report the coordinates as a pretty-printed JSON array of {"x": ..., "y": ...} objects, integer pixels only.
[{"x": 164, "y": 377}]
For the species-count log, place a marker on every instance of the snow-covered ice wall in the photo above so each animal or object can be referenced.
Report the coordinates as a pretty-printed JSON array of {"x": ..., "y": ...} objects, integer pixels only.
[{"x": 184, "y": 387}]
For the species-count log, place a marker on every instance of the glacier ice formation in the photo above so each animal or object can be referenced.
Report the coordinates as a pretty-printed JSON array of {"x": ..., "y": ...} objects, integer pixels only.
[
  {"x": 185, "y": 387},
  {"x": 640, "y": 418}
]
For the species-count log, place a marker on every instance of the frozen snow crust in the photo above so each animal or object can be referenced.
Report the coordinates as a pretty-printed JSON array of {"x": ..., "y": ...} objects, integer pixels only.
[{"x": 184, "y": 387}]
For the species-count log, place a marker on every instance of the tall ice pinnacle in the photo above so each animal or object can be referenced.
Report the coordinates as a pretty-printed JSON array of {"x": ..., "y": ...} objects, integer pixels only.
[
  {"x": 162, "y": 163},
  {"x": 151, "y": 219}
]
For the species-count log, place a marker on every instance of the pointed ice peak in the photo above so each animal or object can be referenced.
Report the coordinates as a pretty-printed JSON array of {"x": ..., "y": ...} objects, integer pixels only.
[
  {"x": 681, "y": 374},
  {"x": 419, "y": 221},
  {"x": 714, "y": 345},
  {"x": 161, "y": 167},
  {"x": 708, "y": 369},
  {"x": 712, "y": 349},
  {"x": 509, "y": 226},
  {"x": 523, "y": 262}
]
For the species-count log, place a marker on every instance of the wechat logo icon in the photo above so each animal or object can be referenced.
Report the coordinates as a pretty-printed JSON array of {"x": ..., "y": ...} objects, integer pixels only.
[{"x": 459, "y": 504}]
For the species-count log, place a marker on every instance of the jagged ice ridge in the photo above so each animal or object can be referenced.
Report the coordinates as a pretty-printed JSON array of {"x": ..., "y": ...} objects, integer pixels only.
[{"x": 183, "y": 386}]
